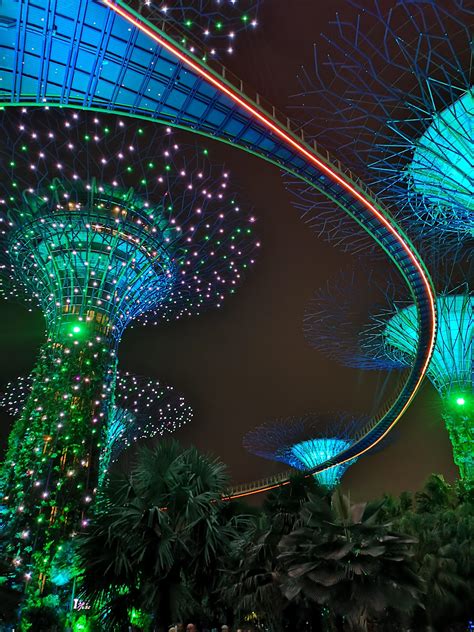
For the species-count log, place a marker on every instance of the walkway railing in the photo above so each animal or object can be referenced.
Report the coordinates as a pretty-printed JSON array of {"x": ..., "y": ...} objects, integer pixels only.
[{"x": 197, "y": 49}]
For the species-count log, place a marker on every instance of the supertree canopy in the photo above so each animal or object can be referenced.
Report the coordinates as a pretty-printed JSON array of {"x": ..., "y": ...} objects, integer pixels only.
[
  {"x": 395, "y": 96},
  {"x": 143, "y": 408},
  {"x": 393, "y": 336},
  {"x": 104, "y": 223},
  {"x": 307, "y": 441},
  {"x": 337, "y": 313},
  {"x": 385, "y": 338},
  {"x": 214, "y": 23}
]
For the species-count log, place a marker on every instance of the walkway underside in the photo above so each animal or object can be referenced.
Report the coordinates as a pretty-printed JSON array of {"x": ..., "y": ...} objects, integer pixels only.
[{"x": 99, "y": 55}]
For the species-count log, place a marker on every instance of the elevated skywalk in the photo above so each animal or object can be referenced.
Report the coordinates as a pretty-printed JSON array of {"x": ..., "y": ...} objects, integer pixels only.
[{"x": 100, "y": 55}]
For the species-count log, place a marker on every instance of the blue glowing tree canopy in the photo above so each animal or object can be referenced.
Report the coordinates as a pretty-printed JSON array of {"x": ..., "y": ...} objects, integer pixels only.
[
  {"x": 395, "y": 333},
  {"x": 335, "y": 317},
  {"x": 393, "y": 336},
  {"x": 311, "y": 453},
  {"x": 400, "y": 113},
  {"x": 442, "y": 166},
  {"x": 110, "y": 222},
  {"x": 306, "y": 442}
]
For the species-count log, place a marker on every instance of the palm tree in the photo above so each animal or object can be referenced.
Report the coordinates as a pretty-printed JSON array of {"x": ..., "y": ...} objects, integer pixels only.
[
  {"x": 442, "y": 521},
  {"x": 339, "y": 555},
  {"x": 158, "y": 537},
  {"x": 436, "y": 494},
  {"x": 251, "y": 582}
]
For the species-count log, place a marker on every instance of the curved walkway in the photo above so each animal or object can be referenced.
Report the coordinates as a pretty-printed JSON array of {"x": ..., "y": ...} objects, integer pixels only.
[{"x": 101, "y": 55}]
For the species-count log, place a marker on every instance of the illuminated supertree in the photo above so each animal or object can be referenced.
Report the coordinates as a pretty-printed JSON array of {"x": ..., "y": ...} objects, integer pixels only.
[
  {"x": 214, "y": 23},
  {"x": 395, "y": 97},
  {"x": 105, "y": 223},
  {"x": 307, "y": 441},
  {"x": 143, "y": 408},
  {"x": 392, "y": 336},
  {"x": 386, "y": 339},
  {"x": 338, "y": 312}
]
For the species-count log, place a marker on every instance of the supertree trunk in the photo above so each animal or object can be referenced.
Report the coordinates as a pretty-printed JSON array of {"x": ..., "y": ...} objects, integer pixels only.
[
  {"x": 460, "y": 428},
  {"x": 51, "y": 470}
]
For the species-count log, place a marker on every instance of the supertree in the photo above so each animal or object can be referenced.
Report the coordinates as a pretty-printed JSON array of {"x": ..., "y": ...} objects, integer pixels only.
[
  {"x": 307, "y": 441},
  {"x": 338, "y": 312},
  {"x": 395, "y": 96},
  {"x": 392, "y": 336},
  {"x": 386, "y": 339},
  {"x": 212, "y": 23},
  {"x": 104, "y": 224},
  {"x": 395, "y": 93},
  {"x": 143, "y": 408}
]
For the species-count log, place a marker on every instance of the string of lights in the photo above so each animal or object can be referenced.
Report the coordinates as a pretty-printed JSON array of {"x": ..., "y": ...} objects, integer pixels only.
[
  {"x": 103, "y": 224},
  {"x": 214, "y": 24},
  {"x": 143, "y": 408}
]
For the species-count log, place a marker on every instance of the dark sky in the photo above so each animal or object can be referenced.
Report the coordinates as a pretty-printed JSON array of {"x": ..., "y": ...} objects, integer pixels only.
[{"x": 249, "y": 363}]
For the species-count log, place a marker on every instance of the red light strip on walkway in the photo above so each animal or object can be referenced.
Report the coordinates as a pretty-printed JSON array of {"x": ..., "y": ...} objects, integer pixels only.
[{"x": 301, "y": 149}]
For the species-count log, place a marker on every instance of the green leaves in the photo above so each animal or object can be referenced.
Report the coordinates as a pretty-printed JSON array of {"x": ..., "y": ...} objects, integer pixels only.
[
  {"x": 161, "y": 533},
  {"x": 340, "y": 555}
]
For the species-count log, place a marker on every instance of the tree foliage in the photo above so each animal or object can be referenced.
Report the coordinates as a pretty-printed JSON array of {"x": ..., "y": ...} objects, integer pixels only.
[
  {"x": 166, "y": 544},
  {"x": 156, "y": 543}
]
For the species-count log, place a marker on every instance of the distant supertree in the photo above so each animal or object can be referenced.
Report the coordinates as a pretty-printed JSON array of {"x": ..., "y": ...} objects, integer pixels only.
[
  {"x": 393, "y": 335},
  {"x": 213, "y": 23},
  {"x": 143, "y": 408},
  {"x": 105, "y": 223},
  {"x": 307, "y": 441},
  {"x": 394, "y": 96},
  {"x": 335, "y": 316},
  {"x": 386, "y": 339}
]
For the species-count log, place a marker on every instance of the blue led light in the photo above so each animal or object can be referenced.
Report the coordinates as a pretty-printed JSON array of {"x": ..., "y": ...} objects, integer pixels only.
[
  {"x": 311, "y": 453},
  {"x": 307, "y": 442}
]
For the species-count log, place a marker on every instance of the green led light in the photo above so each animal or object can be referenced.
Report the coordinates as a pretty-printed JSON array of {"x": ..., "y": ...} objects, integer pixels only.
[{"x": 460, "y": 401}]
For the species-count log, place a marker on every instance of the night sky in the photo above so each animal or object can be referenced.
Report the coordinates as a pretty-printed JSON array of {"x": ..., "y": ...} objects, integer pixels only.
[{"x": 248, "y": 362}]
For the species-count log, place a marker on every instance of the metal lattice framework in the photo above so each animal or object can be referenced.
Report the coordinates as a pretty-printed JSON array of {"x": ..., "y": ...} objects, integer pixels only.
[
  {"x": 306, "y": 442},
  {"x": 100, "y": 54},
  {"x": 395, "y": 94},
  {"x": 209, "y": 26},
  {"x": 393, "y": 336},
  {"x": 334, "y": 319}
]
